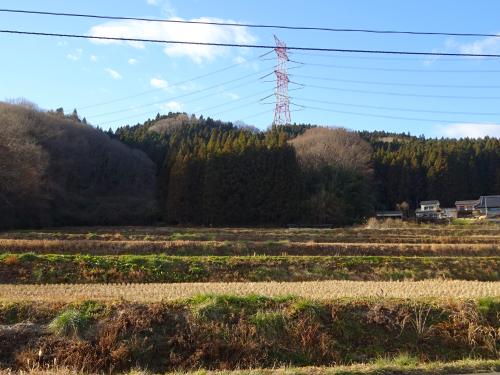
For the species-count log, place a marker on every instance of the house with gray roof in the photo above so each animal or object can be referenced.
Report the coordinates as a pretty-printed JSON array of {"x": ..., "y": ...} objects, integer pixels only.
[{"x": 489, "y": 205}]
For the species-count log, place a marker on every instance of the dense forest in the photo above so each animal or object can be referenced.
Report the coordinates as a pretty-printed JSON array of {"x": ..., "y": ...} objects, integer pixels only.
[
  {"x": 55, "y": 169},
  {"x": 412, "y": 169},
  {"x": 215, "y": 173}
]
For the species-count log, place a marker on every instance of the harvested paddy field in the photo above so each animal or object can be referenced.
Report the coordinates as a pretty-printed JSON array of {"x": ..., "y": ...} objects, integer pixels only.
[
  {"x": 243, "y": 247},
  {"x": 321, "y": 290},
  {"x": 395, "y": 233},
  {"x": 109, "y": 300},
  {"x": 402, "y": 241}
]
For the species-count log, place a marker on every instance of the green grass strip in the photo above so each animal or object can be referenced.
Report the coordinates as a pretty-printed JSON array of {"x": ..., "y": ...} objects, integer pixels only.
[{"x": 31, "y": 268}]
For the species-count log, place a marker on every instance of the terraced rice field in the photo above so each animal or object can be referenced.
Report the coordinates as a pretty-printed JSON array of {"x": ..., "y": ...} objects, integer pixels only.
[
  {"x": 103, "y": 299},
  {"x": 320, "y": 290},
  {"x": 401, "y": 252}
]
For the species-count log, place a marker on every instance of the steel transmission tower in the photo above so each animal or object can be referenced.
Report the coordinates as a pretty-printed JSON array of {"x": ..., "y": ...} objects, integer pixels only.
[{"x": 282, "y": 110}]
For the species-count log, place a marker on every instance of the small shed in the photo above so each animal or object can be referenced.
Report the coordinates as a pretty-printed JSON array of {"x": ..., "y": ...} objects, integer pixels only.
[
  {"x": 389, "y": 215},
  {"x": 466, "y": 208},
  {"x": 466, "y": 205}
]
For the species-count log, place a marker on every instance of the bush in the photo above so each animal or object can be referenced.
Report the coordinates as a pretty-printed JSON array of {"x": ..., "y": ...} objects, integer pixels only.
[
  {"x": 70, "y": 323},
  {"x": 270, "y": 324}
]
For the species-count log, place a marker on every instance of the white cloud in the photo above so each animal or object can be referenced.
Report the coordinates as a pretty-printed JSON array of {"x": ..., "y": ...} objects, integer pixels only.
[
  {"x": 132, "y": 61},
  {"x": 93, "y": 58},
  {"x": 232, "y": 95},
  {"x": 470, "y": 130},
  {"x": 489, "y": 45},
  {"x": 75, "y": 56},
  {"x": 113, "y": 73},
  {"x": 177, "y": 31},
  {"x": 484, "y": 46},
  {"x": 239, "y": 60},
  {"x": 172, "y": 106},
  {"x": 188, "y": 86},
  {"x": 158, "y": 83},
  {"x": 153, "y": 2},
  {"x": 168, "y": 9}
]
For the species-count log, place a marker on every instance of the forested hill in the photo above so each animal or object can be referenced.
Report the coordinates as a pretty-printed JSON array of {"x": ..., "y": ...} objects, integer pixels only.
[
  {"x": 405, "y": 168},
  {"x": 176, "y": 168},
  {"x": 413, "y": 169},
  {"x": 57, "y": 170}
]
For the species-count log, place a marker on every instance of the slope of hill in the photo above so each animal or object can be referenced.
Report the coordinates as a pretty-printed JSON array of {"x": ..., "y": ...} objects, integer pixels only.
[{"x": 56, "y": 170}]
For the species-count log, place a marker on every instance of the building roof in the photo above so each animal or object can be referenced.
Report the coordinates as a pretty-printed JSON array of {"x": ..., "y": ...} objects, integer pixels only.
[
  {"x": 471, "y": 202},
  {"x": 388, "y": 213},
  {"x": 428, "y": 203},
  {"x": 490, "y": 201}
]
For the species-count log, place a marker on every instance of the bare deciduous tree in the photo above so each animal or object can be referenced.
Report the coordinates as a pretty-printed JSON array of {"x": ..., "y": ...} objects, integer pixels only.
[
  {"x": 23, "y": 164},
  {"x": 55, "y": 170},
  {"x": 322, "y": 146},
  {"x": 171, "y": 124}
]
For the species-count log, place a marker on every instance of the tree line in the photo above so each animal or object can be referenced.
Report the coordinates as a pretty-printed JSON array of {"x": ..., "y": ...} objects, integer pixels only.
[
  {"x": 411, "y": 169},
  {"x": 216, "y": 173},
  {"x": 56, "y": 169}
]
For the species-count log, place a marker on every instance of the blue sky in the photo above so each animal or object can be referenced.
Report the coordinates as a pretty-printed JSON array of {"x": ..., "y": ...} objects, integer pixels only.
[{"x": 392, "y": 93}]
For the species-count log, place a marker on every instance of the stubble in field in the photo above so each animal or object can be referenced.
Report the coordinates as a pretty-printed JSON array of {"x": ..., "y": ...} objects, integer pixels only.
[{"x": 323, "y": 290}]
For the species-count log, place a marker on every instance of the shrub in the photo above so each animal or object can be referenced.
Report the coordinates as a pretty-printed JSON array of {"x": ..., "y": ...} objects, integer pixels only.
[
  {"x": 269, "y": 324},
  {"x": 401, "y": 360},
  {"x": 224, "y": 307},
  {"x": 71, "y": 322}
]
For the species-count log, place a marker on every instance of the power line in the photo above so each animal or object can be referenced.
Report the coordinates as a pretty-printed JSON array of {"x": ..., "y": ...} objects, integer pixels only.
[
  {"x": 398, "y": 108},
  {"x": 127, "y": 117},
  {"x": 238, "y": 107},
  {"x": 260, "y": 46},
  {"x": 233, "y": 24},
  {"x": 200, "y": 111},
  {"x": 404, "y": 84},
  {"x": 380, "y": 116},
  {"x": 236, "y": 100},
  {"x": 350, "y": 67},
  {"x": 385, "y": 58},
  {"x": 259, "y": 113},
  {"x": 173, "y": 85},
  {"x": 187, "y": 94},
  {"x": 401, "y": 94}
]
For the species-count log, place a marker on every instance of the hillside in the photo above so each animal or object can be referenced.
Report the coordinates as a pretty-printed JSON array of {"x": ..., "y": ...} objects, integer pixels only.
[
  {"x": 179, "y": 168},
  {"x": 405, "y": 168},
  {"x": 56, "y": 170}
]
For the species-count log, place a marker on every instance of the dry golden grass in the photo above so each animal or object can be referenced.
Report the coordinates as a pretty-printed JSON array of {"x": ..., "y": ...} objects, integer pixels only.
[
  {"x": 485, "y": 233},
  {"x": 194, "y": 247},
  {"x": 315, "y": 289},
  {"x": 399, "y": 365}
]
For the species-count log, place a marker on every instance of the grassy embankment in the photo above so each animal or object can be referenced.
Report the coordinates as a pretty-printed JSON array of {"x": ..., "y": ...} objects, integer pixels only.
[
  {"x": 228, "y": 332},
  {"x": 31, "y": 268}
]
